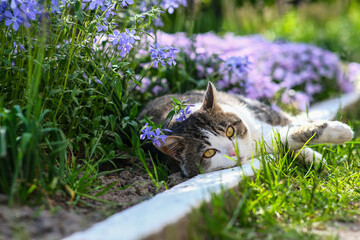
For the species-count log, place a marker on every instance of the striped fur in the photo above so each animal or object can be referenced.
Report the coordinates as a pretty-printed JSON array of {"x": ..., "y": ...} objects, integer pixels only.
[{"x": 253, "y": 121}]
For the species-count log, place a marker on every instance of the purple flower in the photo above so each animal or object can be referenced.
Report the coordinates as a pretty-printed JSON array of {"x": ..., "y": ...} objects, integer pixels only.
[
  {"x": 95, "y": 3},
  {"x": 131, "y": 35},
  {"x": 117, "y": 39},
  {"x": 30, "y": 9},
  {"x": 101, "y": 25},
  {"x": 183, "y": 113},
  {"x": 3, "y": 6},
  {"x": 124, "y": 41},
  {"x": 158, "y": 55},
  {"x": 14, "y": 4},
  {"x": 238, "y": 65},
  {"x": 158, "y": 137},
  {"x": 15, "y": 19},
  {"x": 56, "y": 6},
  {"x": 171, "y": 5},
  {"x": 146, "y": 132},
  {"x": 125, "y": 3},
  {"x": 171, "y": 56}
]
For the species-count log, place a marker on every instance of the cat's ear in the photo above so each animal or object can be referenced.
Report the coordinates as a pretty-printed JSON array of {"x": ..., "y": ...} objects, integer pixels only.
[
  {"x": 172, "y": 146},
  {"x": 209, "y": 98}
]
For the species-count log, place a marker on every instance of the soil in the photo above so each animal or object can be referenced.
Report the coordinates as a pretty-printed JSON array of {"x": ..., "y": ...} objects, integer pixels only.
[{"x": 132, "y": 186}]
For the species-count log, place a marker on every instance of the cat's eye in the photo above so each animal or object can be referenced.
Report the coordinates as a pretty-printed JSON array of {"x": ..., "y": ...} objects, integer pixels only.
[
  {"x": 230, "y": 131},
  {"x": 209, "y": 153}
]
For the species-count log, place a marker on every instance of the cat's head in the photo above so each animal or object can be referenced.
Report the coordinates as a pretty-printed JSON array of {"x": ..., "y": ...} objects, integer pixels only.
[{"x": 201, "y": 142}]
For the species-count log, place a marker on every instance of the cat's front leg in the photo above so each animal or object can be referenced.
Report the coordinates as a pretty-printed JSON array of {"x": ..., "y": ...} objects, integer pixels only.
[
  {"x": 318, "y": 132},
  {"x": 309, "y": 155}
]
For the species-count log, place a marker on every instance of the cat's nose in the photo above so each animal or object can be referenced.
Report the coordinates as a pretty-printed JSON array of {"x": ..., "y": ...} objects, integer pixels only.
[{"x": 232, "y": 153}]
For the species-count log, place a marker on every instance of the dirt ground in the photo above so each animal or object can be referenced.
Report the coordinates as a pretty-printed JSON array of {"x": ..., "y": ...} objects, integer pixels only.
[{"x": 133, "y": 185}]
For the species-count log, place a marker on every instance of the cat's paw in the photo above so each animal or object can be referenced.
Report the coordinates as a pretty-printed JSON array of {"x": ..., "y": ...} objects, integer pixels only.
[{"x": 338, "y": 133}]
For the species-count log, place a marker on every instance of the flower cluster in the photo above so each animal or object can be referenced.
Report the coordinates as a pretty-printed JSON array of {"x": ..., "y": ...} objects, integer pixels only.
[
  {"x": 155, "y": 137},
  {"x": 181, "y": 109},
  {"x": 107, "y": 6},
  {"x": 19, "y": 12},
  {"x": 238, "y": 65},
  {"x": 258, "y": 68},
  {"x": 123, "y": 41},
  {"x": 162, "y": 55},
  {"x": 22, "y": 12},
  {"x": 183, "y": 113}
]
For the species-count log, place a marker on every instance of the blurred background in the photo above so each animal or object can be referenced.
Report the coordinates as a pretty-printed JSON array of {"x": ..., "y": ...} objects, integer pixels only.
[{"x": 330, "y": 24}]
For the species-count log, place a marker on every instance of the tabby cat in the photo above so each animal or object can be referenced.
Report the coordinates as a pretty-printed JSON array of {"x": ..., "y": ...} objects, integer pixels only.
[{"x": 201, "y": 142}]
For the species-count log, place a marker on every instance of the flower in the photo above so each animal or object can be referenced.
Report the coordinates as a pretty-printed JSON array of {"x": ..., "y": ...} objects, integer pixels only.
[
  {"x": 146, "y": 132},
  {"x": 161, "y": 55},
  {"x": 30, "y": 9},
  {"x": 158, "y": 55},
  {"x": 124, "y": 41},
  {"x": 183, "y": 113},
  {"x": 155, "y": 137},
  {"x": 158, "y": 137},
  {"x": 94, "y": 3},
  {"x": 98, "y": 81},
  {"x": 131, "y": 36},
  {"x": 171, "y": 56},
  {"x": 14, "y": 19},
  {"x": 56, "y": 6},
  {"x": 125, "y": 3},
  {"x": 238, "y": 65},
  {"x": 117, "y": 39}
]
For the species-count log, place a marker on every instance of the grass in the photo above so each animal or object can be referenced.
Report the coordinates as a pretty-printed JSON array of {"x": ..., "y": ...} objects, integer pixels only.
[{"x": 287, "y": 199}]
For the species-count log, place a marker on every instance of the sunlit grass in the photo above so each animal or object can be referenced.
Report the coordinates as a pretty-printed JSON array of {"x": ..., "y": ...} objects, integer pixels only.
[{"x": 286, "y": 199}]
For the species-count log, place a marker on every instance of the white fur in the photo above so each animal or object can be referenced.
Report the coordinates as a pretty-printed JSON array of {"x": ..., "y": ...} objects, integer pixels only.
[
  {"x": 335, "y": 132},
  {"x": 223, "y": 147}
]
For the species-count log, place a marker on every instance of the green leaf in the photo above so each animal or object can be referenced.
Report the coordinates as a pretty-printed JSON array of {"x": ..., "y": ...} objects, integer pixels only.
[
  {"x": 3, "y": 142},
  {"x": 135, "y": 139},
  {"x": 133, "y": 112},
  {"x": 171, "y": 113},
  {"x": 118, "y": 141},
  {"x": 177, "y": 102},
  {"x": 118, "y": 89}
]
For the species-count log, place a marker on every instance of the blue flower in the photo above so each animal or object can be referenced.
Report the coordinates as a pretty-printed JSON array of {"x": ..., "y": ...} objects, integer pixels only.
[
  {"x": 30, "y": 9},
  {"x": 3, "y": 6},
  {"x": 157, "y": 54},
  {"x": 171, "y": 56},
  {"x": 95, "y": 3},
  {"x": 183, "y": 113},
  {"x": 14, "y": 4},
  {"x": 124, "y": 41},
  {"x": 158, "y": 137},
  {"x": 101, "y": 25},
  {"x": 116, "y": 38},
  {"x": 160, "y": 55},
  {"x": 15, "y": 19},
  {"x": 125, "y": 3},
  {"x": 55, "y": 6},
  {"x": 238, "y": 65},
  {"x": 131, "y": 36},
  {"x": 146, "y": 132}
]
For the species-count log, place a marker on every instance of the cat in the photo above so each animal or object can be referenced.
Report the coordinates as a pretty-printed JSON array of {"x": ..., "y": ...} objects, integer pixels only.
[{"x": 200, "y": 143}]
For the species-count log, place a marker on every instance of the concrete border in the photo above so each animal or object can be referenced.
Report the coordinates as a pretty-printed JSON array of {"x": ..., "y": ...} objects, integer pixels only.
[{"x": 151, "y": 216}]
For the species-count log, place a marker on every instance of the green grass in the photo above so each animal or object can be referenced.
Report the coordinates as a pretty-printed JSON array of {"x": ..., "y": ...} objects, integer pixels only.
[{"x": 286, "y": 199}]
